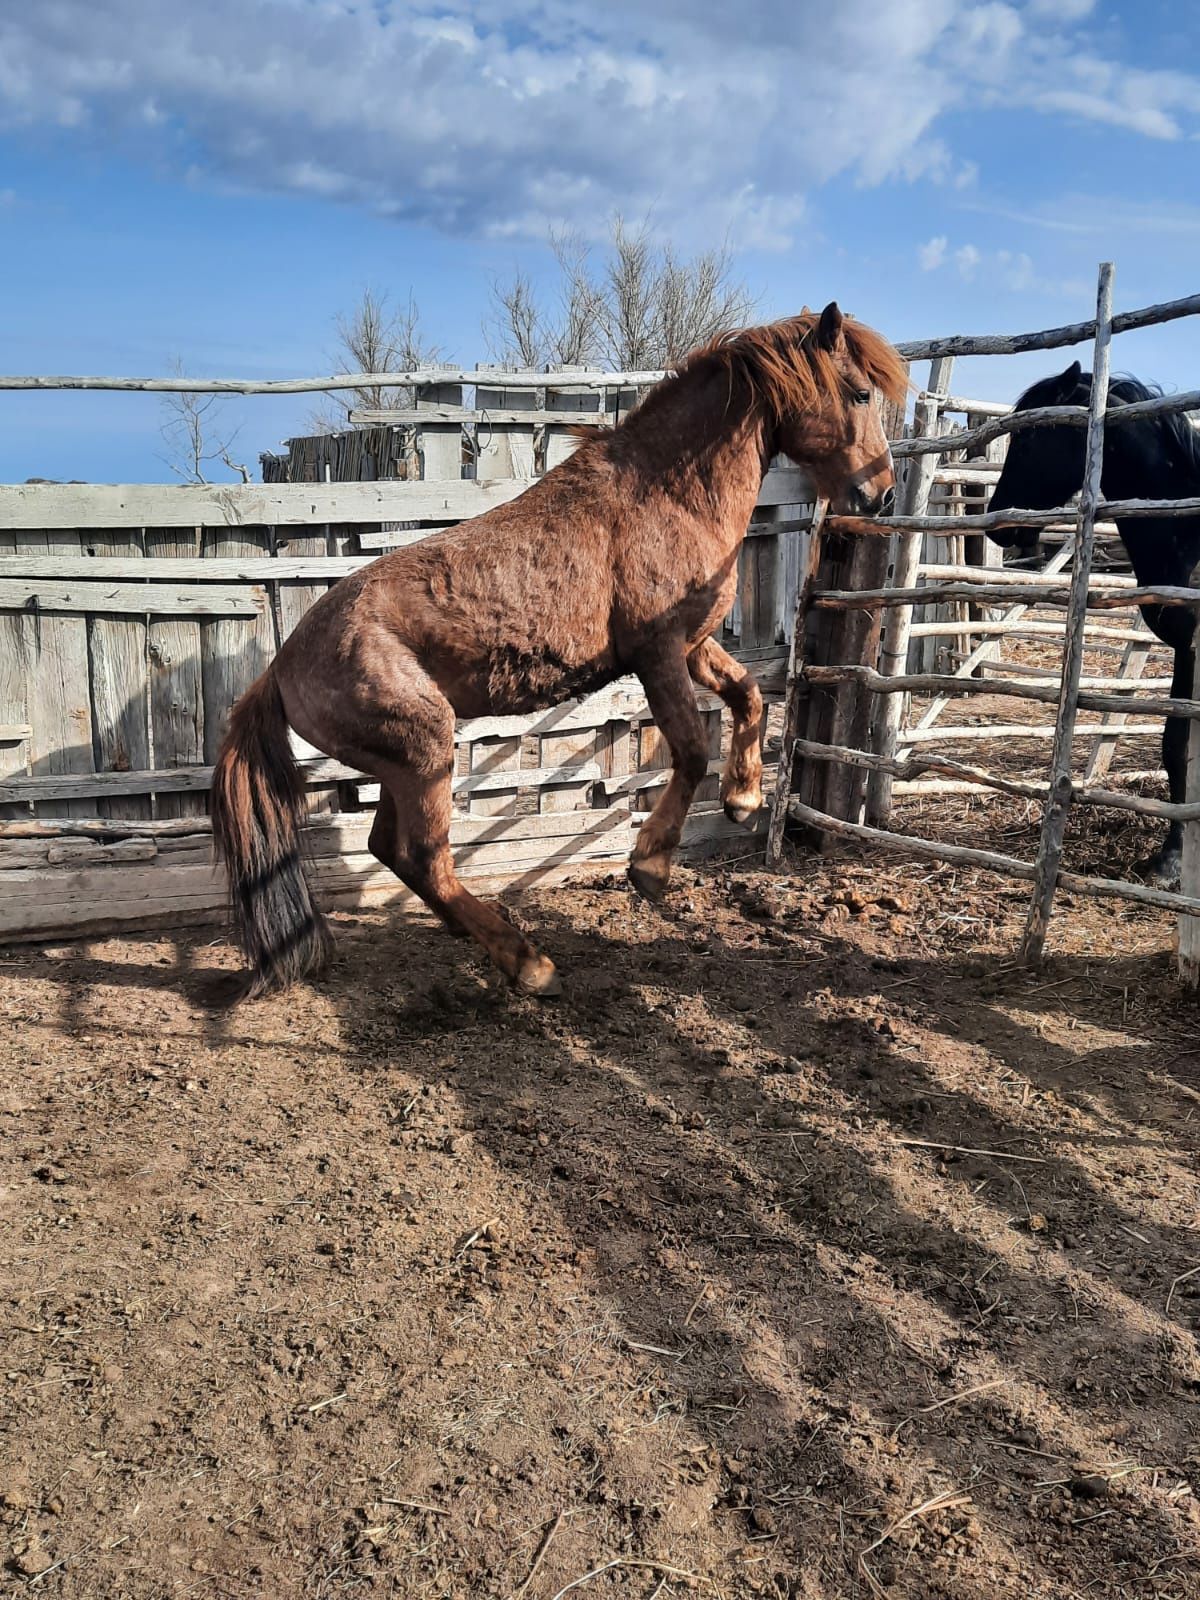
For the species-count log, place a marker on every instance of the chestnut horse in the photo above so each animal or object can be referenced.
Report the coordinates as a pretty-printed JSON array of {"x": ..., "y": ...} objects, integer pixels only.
[{"x": 622, "y": 559}]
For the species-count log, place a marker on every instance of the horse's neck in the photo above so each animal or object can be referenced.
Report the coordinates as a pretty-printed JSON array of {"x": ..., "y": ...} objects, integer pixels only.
[
  {"x": 1160, "y": 549},
  {"x": 725, "y": 458}
]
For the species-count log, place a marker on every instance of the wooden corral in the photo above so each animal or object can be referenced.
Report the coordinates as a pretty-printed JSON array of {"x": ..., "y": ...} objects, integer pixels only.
[{"x": 851, "y": 743}]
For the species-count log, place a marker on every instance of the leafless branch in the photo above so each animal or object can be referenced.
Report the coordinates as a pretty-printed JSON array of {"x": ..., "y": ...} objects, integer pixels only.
[{"x": 645, "y": 307}]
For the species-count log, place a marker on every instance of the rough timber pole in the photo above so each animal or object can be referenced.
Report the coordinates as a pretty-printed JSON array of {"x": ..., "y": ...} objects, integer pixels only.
[
  {"x": 797, "y": 689},
  {"x": 888, "y": 712},
  {"x": 1054, "y": 821}
]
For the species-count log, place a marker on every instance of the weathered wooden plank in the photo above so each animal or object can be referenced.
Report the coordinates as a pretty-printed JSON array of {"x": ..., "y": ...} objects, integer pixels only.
[
  {"x": 505, "y": 450},
  {"x": 232, "y": 653},
  {"x": 176, "y": 689},
  {"x": 407, "y": 416},
  {"x": 130, "y": 599},
  {"x": 567, "y": 408},
  {"x": 60, "y": 713},
  {"x": 119, "y": 684},
  {"x": 63, "y": 506},
  {"x": 14, "y": 693},
  {"x": 343, "y": 380},
  {"x": 66, "y": 902},
  {"x": 190, "y": 569}
]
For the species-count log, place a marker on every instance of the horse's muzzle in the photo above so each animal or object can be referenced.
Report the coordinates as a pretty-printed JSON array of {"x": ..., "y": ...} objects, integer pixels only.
[{"x": 861, "y": 504}]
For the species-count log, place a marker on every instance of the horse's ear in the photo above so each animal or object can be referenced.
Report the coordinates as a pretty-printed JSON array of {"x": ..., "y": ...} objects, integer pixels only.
[
  {"x": 829, "y": 328},
  {"x": 1072, "y": 375}
]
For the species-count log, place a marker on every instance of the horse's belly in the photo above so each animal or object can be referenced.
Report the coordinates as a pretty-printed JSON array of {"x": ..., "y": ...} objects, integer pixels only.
[{"x": 510, "y": 681}]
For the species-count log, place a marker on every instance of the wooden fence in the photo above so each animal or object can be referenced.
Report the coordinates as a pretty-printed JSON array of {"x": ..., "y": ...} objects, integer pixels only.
[
  {"x": 132, "y": 616},
  {"x": 847, "y": 745}
]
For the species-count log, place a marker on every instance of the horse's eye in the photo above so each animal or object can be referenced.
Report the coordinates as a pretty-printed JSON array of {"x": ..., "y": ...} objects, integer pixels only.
[{"x": 862, "y": 397}]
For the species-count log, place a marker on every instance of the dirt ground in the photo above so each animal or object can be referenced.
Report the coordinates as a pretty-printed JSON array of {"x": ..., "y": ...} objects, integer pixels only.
[{"x": 807, "y": 1247}]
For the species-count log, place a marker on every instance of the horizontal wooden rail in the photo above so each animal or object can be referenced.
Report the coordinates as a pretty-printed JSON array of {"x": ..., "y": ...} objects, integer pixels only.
[
  {"x": 976, "y": 778},
  {"x": 948, "y": 684},
  {"x": 1018, "y": 517},
  {"x": 1012, "y": 344},
  {"x": 991, "y": 861},
  {"x": 1023, "y": 628},
  {"x": 190, "y": 569},
  {"x": 1033, "y": 592},
  {"x": 483, "y": 416},
  {"x": 71, "y": 506},
  {"x": 141, "y": 599},
  {"x": 952, "y": 572},
  {"x": 486, "y": 378},
  {"x": 499, "y": 378},
  {"x": 1017, "y": 731},
  {"x": 1017, "y": 421}
]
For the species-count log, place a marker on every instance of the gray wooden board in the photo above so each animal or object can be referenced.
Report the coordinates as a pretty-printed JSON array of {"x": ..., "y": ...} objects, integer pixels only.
[
  {"x": 60, "y": 712},
  {"x": 232, "y": 653},
  {"x": 175, "y": 686},
  {"x": 119, "y": 687},
  {"x": 14, "y": 691}
]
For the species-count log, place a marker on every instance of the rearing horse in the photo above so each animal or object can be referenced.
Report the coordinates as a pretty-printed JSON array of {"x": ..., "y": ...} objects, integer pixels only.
[{"x": 621, "y": 559}]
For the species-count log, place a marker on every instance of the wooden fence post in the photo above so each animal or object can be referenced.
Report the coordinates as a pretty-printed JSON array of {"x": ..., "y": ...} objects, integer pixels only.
[
  {"x": 888, "y": 711},
  {"x": 796, "y": 690},
  {"x": 1054, "y": 821},
  {"x": 1189, "y": 877}
]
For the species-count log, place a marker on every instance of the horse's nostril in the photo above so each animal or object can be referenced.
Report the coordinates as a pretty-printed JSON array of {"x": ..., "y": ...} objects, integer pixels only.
[{"x": 888, "y": 502}]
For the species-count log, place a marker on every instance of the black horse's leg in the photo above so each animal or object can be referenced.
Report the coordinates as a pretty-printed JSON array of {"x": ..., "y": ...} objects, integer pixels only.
[{"x": 1163, "y": 869}]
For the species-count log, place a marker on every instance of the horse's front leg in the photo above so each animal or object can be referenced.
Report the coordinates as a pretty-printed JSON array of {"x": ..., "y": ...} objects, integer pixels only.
[
  {"x": 664, "y": 676},
  {"x": 741, "y": 782}
]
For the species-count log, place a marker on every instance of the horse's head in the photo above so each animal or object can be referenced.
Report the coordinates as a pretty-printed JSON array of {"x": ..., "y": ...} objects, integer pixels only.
[
  {"x": 1044, "y": 465},
  {"x": 836, "y": 432}
]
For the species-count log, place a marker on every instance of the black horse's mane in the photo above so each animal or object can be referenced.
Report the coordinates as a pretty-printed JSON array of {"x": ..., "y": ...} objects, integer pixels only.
[{"x": 1172, "y": 432}]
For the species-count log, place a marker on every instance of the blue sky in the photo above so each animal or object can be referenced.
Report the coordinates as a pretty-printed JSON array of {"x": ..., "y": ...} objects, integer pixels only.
[{"x": 214, "y": 184}]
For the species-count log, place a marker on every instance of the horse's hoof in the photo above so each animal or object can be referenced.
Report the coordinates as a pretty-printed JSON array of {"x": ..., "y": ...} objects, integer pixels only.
[
  {"x": 649, "y": 877},
  {"x": 1161, "y": 871},
  {"x": 742, "y": 808},
  {"x": 538, "y": 976}
]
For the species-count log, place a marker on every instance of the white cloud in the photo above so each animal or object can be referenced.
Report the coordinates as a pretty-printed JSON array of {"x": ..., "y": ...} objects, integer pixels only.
[
  {"x": 500, "y": 120},
  {"x": 997, "y": 269},
  {"x": 967, "y": 259}
]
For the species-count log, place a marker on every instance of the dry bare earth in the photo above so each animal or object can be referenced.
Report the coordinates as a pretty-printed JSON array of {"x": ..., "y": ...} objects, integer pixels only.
[{"x": 805, "y": 1248}]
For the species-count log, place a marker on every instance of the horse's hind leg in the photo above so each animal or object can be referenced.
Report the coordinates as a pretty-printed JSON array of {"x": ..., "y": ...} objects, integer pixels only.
[
  {"x": 1165, "y": 867},
  {"x": 411, "y": 835},
  {"x": 673, "y": 705},
  {"x": 741, "y": 782}
]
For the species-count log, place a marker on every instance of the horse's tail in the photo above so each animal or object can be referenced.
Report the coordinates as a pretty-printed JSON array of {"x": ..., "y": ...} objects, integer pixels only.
[{"x": 257, "y": 806}]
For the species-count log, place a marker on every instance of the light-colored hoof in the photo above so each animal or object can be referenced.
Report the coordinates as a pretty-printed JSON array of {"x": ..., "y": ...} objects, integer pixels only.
[
  {"x": 742, "y": 808},
  {"x": 650, "y": 875},
  {"x": 539, "y": 977}
]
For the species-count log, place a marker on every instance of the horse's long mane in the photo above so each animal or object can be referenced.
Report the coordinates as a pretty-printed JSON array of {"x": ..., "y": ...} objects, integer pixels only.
[
  {"x": 785, "y": 370},
  {"x": 1174, "y": 429},
  {"x": 1171, "y": 432}
]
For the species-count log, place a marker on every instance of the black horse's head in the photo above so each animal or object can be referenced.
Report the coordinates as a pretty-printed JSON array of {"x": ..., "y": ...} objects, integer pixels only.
[{"x": 1044, "y": 465}]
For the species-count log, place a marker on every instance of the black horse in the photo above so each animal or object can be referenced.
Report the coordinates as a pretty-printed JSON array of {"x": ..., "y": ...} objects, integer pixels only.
[{"x": 1153, "y": 458}]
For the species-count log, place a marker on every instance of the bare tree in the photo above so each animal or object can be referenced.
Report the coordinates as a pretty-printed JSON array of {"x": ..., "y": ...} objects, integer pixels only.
[
  {"x": 195, "y": 435},
  {"x": 375, "y": 337},
  {"x": 644, "y": 307}
]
